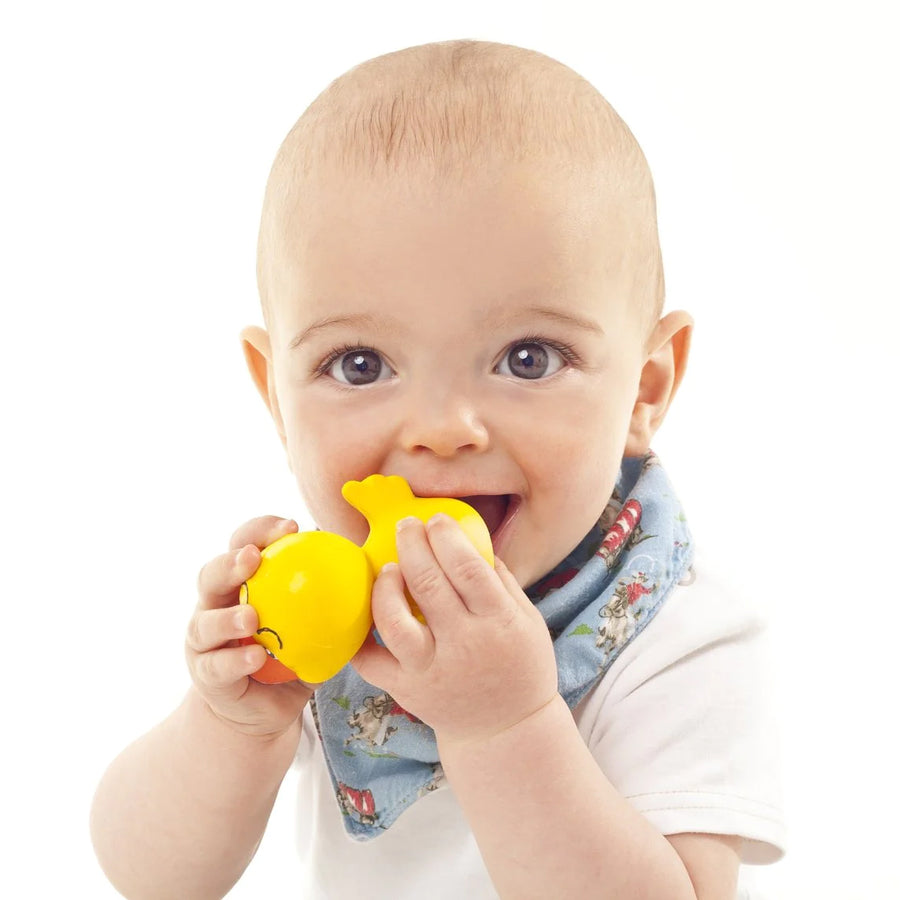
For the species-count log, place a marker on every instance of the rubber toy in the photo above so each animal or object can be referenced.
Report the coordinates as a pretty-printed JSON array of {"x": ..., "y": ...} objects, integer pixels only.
[{"x": 313, "y": 590}]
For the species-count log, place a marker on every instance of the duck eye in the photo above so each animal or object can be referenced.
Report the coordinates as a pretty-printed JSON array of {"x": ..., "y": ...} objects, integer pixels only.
[{"x": 277, "y": 638}]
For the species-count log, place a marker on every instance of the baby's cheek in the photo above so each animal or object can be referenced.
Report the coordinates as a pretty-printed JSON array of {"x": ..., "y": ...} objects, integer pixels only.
[{"x": 320, "y": 486}]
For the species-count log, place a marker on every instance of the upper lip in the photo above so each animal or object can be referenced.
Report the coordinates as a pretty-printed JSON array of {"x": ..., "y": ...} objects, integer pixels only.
[
  {"x": 456, "y": 492},
  {"x": 460, "y": 491}
]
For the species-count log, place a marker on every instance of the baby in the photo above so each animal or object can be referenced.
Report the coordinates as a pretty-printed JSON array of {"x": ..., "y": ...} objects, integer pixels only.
[{"x": 461, "y": 284}]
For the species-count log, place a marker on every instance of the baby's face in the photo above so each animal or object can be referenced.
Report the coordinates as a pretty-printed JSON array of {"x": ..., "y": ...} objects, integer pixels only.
[{"x": 477, "y": 342}]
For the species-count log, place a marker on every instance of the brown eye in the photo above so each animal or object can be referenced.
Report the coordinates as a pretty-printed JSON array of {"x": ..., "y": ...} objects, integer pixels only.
[
  {"x": 531, "y": 360},
  {"x": 359, "y": 367}
]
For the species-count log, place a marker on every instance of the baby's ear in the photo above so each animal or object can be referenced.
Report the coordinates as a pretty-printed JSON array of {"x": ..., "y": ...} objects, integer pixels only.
[
  {"x": 665, "y": 362},
  {"x": 258, "y": 354}
]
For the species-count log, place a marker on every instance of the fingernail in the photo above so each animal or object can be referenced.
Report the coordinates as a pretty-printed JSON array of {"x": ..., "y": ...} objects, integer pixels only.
[
  {"x": 406, "y": 522},
  {"x": 437, "y": 518},
  {"x": 239, "y": 620}
]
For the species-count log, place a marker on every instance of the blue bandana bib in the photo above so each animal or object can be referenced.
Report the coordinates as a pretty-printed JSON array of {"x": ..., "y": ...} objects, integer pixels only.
[{"x": 595, "y": 602}]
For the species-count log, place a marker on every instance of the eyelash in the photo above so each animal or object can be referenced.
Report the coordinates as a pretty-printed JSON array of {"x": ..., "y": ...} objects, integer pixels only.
[
  {"x": 565, "y": 350},
  {"x": 337, "y": 353}
]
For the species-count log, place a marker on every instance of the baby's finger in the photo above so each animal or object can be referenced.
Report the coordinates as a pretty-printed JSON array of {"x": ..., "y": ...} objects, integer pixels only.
[
  {"x": 210, "y": 629},
  {"x": 422, "y": 573},
  {"x": 508, "y": 579},
  {"x": 261, "y": 531},
  {"x": 223, "y": 672},
  {"x": 514, "y": 588},
  {"x": 411, "y": 642},
  {"x": 219, "y": 581},
  {"x": 376, "y": 664},
  {"x": 469, "y": 573}
]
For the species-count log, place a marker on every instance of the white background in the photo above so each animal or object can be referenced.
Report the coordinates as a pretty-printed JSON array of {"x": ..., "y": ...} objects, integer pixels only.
[{"x": 136, "y": 140}]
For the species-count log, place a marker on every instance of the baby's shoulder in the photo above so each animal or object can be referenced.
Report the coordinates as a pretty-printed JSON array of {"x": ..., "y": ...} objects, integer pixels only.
[
  {"x": 708, "y": 629},
  {"x": 711, "y": 601}
]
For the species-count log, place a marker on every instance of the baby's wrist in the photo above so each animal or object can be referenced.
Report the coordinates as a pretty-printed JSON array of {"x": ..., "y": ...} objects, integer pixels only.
[
  {"x": 546, "y": 715},
  {"x": 239, "y": 736}
]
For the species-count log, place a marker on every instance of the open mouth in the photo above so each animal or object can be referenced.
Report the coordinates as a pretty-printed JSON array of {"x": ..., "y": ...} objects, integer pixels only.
[{"x": 497, "y": 510}]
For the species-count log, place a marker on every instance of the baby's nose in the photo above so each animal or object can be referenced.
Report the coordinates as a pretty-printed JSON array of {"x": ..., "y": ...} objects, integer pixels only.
[{"x": 444, "y": 424}]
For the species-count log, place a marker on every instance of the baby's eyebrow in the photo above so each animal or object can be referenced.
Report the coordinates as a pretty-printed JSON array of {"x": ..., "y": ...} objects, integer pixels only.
[
  {"x": 555, "y": 315},
  {"x": 370, "y": 322},
  {"x": 355, "y": 320}
]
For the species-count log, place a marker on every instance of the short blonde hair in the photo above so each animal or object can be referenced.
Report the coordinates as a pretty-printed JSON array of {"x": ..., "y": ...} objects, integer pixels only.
[{"x": 439, "y": 110}]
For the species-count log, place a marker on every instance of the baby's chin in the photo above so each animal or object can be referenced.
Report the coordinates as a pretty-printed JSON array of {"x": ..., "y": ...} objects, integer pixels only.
[
  {"x": 527, "y": 571},
  {"x": 356, "y": 530},
  {"x": 529, "y": 564},
  {"x": 348, "y": 523}
]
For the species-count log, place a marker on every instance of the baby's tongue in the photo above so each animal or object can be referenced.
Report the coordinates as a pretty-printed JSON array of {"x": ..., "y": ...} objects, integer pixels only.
[{"x": 491, "y": 508}]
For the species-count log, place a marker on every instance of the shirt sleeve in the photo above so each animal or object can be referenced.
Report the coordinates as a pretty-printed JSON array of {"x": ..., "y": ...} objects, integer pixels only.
[{"x": 683, "y": 725}]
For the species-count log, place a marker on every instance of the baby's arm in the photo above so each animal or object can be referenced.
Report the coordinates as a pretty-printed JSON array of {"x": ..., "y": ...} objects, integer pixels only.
[
  {"x": 482, "y": 673},
  {"x": 548, "y": 820},
  {"x": 181, "y": 811}
]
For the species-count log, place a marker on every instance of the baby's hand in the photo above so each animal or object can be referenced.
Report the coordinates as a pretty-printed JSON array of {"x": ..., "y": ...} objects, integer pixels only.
[
  {"x": 219, "y": 666},
  {"x": 483, "y": 663}
]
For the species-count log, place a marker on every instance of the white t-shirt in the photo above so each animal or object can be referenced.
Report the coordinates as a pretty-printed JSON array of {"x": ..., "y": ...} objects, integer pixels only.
[{"x": 681, "y": 724}]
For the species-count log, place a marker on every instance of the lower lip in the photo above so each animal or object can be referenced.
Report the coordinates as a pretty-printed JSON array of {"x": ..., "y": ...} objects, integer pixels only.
[{"x": 499, "y": 538}]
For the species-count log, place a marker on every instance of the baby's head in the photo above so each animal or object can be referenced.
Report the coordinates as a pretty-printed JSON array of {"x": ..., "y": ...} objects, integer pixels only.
[
  {"x": 461, "y": 282},
  {"x": 451, "y": 116}
]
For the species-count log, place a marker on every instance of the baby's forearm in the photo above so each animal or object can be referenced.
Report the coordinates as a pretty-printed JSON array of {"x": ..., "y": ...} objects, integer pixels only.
[
  {"x": 548, "y": 822},
  {"x": 180, "y": 812}
]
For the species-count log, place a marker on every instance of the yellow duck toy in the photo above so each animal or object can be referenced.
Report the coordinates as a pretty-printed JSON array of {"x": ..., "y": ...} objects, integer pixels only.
[{"x": 313, "y": 590}]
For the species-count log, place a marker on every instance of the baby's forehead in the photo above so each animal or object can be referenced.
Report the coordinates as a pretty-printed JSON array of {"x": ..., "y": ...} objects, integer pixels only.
[{"x": 372, "y": 252}]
